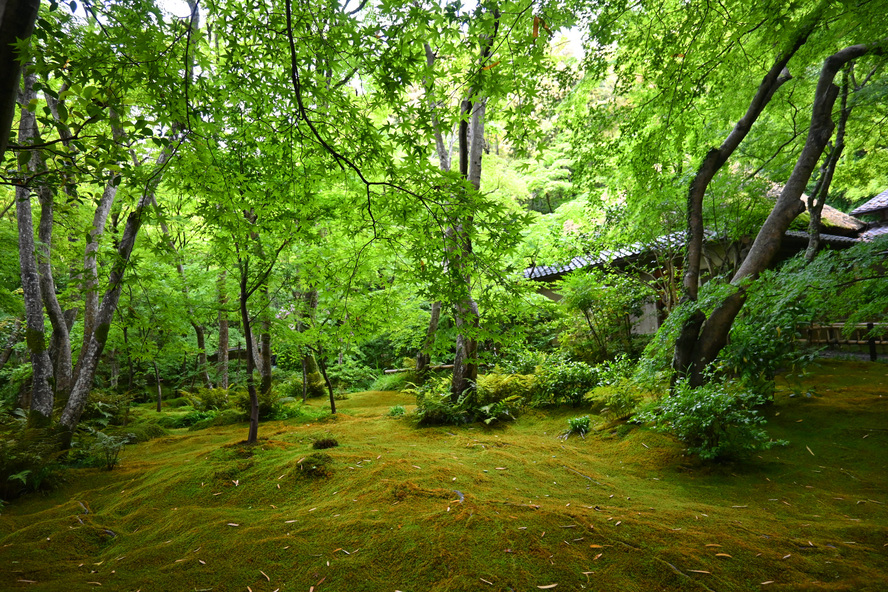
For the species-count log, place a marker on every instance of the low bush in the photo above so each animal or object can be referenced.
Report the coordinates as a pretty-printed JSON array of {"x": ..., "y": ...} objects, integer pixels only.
[
  {"x": 520, "y": 362},
  {"x": 222, "y": 418},
  {"x": 391, "y": 382},
  {"x": 105, "y": 449},
  {"x": 316, "y": 465},
  {"x": 435, "y": 406},
  {"x": 185, "y": 420},
  {"x": 716, "y": 421},
  {"x": 324, "y": 443},
  {"x": 208, "y": 399},
  {"x": 397, "y": 411},
  {"x": 576, "y": 425},
  {"x": 142, "y": 432},
  {"x": 271, "y": 404},
  {"x": 29, "y": 457},
  {"x": 561, "y": 380},
  {"x": 493, "y": 388},
  {"x": 622, "y": 400}
]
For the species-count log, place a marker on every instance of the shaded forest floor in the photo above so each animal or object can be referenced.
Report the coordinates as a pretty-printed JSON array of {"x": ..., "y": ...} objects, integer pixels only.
[{"x": 474, "y": 507}]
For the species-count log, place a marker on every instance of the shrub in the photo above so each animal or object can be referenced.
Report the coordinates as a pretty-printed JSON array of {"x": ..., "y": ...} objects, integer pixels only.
[
  {"x": 503, "y": 410},
  {"x": 208, "y": 399},
  {"x": 29, "y": 457},
  {"x": 493, "y": 388},
  {"x": 623, "y": 399},
  {"x": 716, "y": 421},
  {"x": 351, "y": 375},
  {"x": 105, "y": 449},
  {"x": 316, "y": 465},
  {"x": 142, "y": 432},
  {"x": 435, "y": 406},
  {"x": 106, "y": 408},
  {"x": 324, "y": 443},
  {"x": 520, "y": 362},
  {"x": 271, "y": 404},
  {"x": 564, "y": 381},
  {"x": 576, "y": 425},
  {"x": 291, "y": 387},
  {"x": 391, "y": 382},
  {"x": 222, "y": 418},
  {"x": 397, "y": 411},
  {"x": 185, "y": 420}
]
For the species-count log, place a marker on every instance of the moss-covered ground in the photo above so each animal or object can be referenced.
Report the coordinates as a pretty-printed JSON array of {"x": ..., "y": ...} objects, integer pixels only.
[{"x": 475, "y": 507}]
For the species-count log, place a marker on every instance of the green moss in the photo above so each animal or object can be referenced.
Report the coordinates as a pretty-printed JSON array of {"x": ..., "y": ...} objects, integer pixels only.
[{"x": 442, "y": 508}]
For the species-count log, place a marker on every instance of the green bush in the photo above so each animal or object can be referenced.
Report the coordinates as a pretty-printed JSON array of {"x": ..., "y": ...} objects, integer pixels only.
[
  {"x": 623, "y": 399},
  {"x": 397, "y": 411},
  {"x": 185, "y": 420},
  {"x": 576, "y": 425},
  {"x": 142, "y": 432},
  {"x": 105, "y": 449},
  {"x": 316, "y": 465},
  {"x": 716, "y": 421},
  {"x": 29, "y": 457},
  {"x": 560, "y": 380},
  {"x": 391, "y": 382},
  {"x": 351, "y": 375},
  {"x": 271, "y": 404},
  {"x": 520, "y": 362},
  {"x": 208, "y": 399},
  {"x": 493, "y": 388},
  {"x": 434, "y": 405},
  {"x": 105, "y": 408},
  {"x": 221, "y": 418}
]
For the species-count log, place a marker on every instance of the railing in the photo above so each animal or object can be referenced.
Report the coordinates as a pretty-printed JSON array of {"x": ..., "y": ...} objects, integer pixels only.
[{"x": 838, "y": 334}]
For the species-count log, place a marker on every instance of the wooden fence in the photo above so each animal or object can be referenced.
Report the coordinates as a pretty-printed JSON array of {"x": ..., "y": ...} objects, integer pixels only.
[{"x": 837, "y": 334}]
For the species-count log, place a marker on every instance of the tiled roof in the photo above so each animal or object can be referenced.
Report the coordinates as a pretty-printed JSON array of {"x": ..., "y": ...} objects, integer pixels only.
[
  {"x": 546, "y": 272},
  {"x": 880, "y": 202},
  {"x": 872, "y": 233},
  {"x": 825, "y": 239},
  {"x": 550, "y": 272}
]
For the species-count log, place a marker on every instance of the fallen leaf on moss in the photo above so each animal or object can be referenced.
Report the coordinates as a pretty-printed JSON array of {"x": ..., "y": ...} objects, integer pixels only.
[
  {"x": 547, "y": 587},
  {"x": 722, "y": 555},
  {"x": 265, "y": 574},
  {"x": 702, "y": 571},
  {"x": 713, "y": 545}
]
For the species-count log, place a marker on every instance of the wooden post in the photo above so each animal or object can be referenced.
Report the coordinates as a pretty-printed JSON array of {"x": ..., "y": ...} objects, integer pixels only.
[{"x": 872, "y": 343}]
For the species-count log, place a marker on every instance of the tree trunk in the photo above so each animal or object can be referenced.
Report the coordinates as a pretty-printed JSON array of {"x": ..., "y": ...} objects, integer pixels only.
[
  {"x": 265, "y": 346},
  {"x": 253, "y": 433},
  {"x": 89, "y": 357},
  {"x": 323, "y": 366},
  {"x": 158, "y": 385},
  {"x": 712, "y": 163},
  {"x": 714, "y": 333},
  {"x": 471, "y": 149},
  {"x": 817, "y": 199},
  {"x": 42, "y": 397},
  {"x": 424, "y": 356},
  {"x": 222, "y": 362},
  {"x": 17, "y": 18}
]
